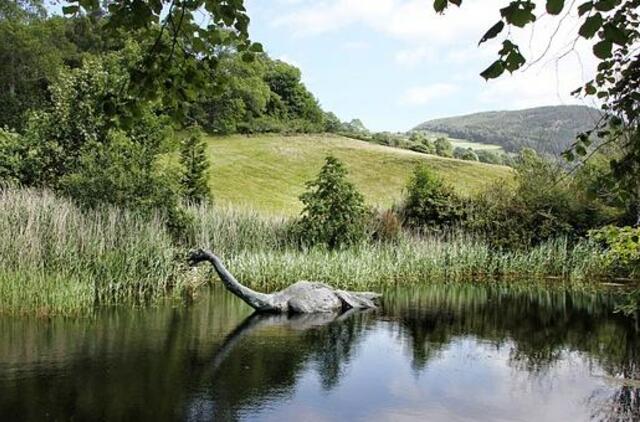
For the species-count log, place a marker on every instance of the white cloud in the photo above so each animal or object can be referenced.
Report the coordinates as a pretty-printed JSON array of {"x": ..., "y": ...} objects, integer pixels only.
[
  {"x": 409, "y": 20},
  {"x": 421, "y": 95}
]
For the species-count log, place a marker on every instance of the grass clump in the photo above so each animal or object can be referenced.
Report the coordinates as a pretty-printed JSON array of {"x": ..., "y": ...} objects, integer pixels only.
[{"x": 55, "y": 258}]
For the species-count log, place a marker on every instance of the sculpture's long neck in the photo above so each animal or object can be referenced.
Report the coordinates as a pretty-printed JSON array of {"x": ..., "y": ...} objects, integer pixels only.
[{"x": 256, "y": 300}]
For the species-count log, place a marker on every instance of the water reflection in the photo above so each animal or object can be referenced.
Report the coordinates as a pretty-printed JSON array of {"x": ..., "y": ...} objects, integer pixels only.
[{"x": 437, "y": 353}]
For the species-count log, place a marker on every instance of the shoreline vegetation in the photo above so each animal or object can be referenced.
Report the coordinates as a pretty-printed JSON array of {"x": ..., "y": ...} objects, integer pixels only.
[{"x": 56, "y": 258}]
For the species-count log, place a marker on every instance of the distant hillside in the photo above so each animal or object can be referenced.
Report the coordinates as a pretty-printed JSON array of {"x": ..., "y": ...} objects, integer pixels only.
[
  {"x": 546, "y": 129},
  {"x": 268, "y": 172}
]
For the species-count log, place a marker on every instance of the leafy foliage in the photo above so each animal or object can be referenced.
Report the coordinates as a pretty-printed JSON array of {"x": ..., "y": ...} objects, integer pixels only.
[
  {"x": 430, "y": 203},
  {"x": 622, "y": 248},
  {"x": 443, "y": 147},
  {"x": 263, "y": 95},
  {"x": 529, "y": 215},
  {"x": 32, "y": 52},
  {"x": 195, "y": 166},
  {"x": 72, "y": 146},
  {"x": 179, "y": 52},
  {"x": 10, "y": 156},
  {"x": 334, "y": 212}
]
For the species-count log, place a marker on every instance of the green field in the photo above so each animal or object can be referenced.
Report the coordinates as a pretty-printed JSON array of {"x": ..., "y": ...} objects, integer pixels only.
[
  {"x": 268, "y": 172},
  {"x": 474, "y": 145},
  {"x": 463, "y": 143}
]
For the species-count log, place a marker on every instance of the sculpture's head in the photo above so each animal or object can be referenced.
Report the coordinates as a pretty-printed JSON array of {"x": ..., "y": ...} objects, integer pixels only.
[{"x": 196, "y": 256}]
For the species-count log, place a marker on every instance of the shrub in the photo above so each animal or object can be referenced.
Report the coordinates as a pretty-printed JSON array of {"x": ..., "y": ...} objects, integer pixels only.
[
  {"x": 546, "y": 203},
  {"x": 10, "y": 145},
  {"x": 195, "y": 166},
  {"x": 443, "y": 147},
  {"x": 77, "y": 146},
  {"x": 489, "y": 157},
  {"x": 420, "y": 148},
  {"x": 470, "y": 155},
  {"x": 622, "y": 253},
  {"x": 334, "y": 212},
  {"x": 430, "y": 203}
]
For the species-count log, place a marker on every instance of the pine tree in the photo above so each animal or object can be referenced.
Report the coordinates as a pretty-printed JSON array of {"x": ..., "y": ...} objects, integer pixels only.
[
  {"x": 334, "y": 212},
  {"x": 193, "y": 158}
]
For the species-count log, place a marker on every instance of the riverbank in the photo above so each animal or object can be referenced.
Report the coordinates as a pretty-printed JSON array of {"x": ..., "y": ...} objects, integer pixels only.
[{"x": 58, "y": 259}]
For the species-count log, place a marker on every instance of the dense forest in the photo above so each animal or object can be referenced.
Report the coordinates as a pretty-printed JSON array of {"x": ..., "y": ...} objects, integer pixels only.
[
  {"x": 241, "y": 96},
  {"x": 547, "y": 130}
]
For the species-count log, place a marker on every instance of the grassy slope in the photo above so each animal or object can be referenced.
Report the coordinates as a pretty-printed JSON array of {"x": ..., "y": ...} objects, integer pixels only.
[
  {"x": 463, "y": 143},
  {"x": 268, "y": 172}
]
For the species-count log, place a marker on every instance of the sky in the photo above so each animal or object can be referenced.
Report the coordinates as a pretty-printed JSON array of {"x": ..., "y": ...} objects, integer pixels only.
[{"x": 396, "y": 63}]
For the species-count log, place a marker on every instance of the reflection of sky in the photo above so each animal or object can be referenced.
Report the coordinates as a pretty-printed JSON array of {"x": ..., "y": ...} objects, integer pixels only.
[{"x": 468, "y": 380}]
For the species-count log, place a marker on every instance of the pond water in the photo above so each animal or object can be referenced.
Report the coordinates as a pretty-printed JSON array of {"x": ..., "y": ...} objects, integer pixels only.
[{"x": 440, "y": 353}]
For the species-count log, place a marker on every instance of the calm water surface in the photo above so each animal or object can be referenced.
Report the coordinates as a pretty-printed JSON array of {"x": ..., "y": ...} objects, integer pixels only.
[{"x": 445, "y": 353}]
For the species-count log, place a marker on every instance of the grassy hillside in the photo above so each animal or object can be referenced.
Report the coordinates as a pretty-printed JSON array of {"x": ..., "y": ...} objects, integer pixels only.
[
  {"x": 545, "y": 129},
  {"x": 268, "y": 172}
]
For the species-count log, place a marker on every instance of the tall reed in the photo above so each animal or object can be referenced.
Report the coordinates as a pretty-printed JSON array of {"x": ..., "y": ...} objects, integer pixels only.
[{"x": 56, "y": 258}]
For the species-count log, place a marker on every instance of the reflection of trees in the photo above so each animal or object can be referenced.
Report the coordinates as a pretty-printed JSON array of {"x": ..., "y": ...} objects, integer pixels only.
[
  {"x": 213, "y": 360},
  {"x": 161, "y": 364},
  {"x": 270, "y": 368},
  {"x": 540, "y": 325}
]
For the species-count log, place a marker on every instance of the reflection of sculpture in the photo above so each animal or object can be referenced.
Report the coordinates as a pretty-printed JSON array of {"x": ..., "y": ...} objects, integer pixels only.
[
  {"x": 299, "y": 322},
  {"x": 301, "y": 297}
]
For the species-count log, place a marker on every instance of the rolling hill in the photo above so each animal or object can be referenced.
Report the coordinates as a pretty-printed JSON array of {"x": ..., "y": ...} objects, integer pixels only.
[
  {"x": 268, "y": 172},
  {"x": 545, "y": 129}
]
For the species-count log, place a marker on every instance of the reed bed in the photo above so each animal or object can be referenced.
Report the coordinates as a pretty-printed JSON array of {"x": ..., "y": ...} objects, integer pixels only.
[
  {"x": 58, "y": 259},
  {"x": 55, "y": 258}
]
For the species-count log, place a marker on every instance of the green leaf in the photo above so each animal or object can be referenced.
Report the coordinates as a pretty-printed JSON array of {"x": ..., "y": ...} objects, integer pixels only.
[
  {"x": 89, "y": 4},
  {"x": 439, "y": 5},
  {"x": 70, "y": 10},
  {"x": 492, "y": 32},
  {"x": 495, "y": 70},
  {"x": 514, "y": 60},
  {"x": 602, "y": 50},
  {"x": 589, "y": 89},
  {"x": 247, "y": 57},
  {"x": 519, "y": 13},
  {"x": 590, "y": 26},
  {"x": 585, "y": 8},
  {"x": 554, "y": 7},
  {"x": 581, "y": 150},
  {"x": 256, "y": 47},
  {"x": 614, "y": 34},
  {"x": 606, "y": 5}
]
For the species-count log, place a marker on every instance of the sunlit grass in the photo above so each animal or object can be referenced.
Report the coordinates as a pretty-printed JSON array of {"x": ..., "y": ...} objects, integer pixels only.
[
  {"x": 267, "y": 173},
  {"x": 55, "y": 258}
]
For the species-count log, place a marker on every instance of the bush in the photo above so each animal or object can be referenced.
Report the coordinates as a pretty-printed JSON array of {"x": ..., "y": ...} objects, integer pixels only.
[
  {"x": 195, "y": 166},
  {"x": 546, "y": 203},
  {"x": 420, "y": 148},
  {"x": 430, "y": 203},
  {"x": 334, "y": 212},
  {"x": 489, "y": 157},
  {"x": 10, "y": 152},
  {"x": 443, "y": 147},
  {"x": 76, "y": 148},
  {"x": 622, "y": 253}
]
